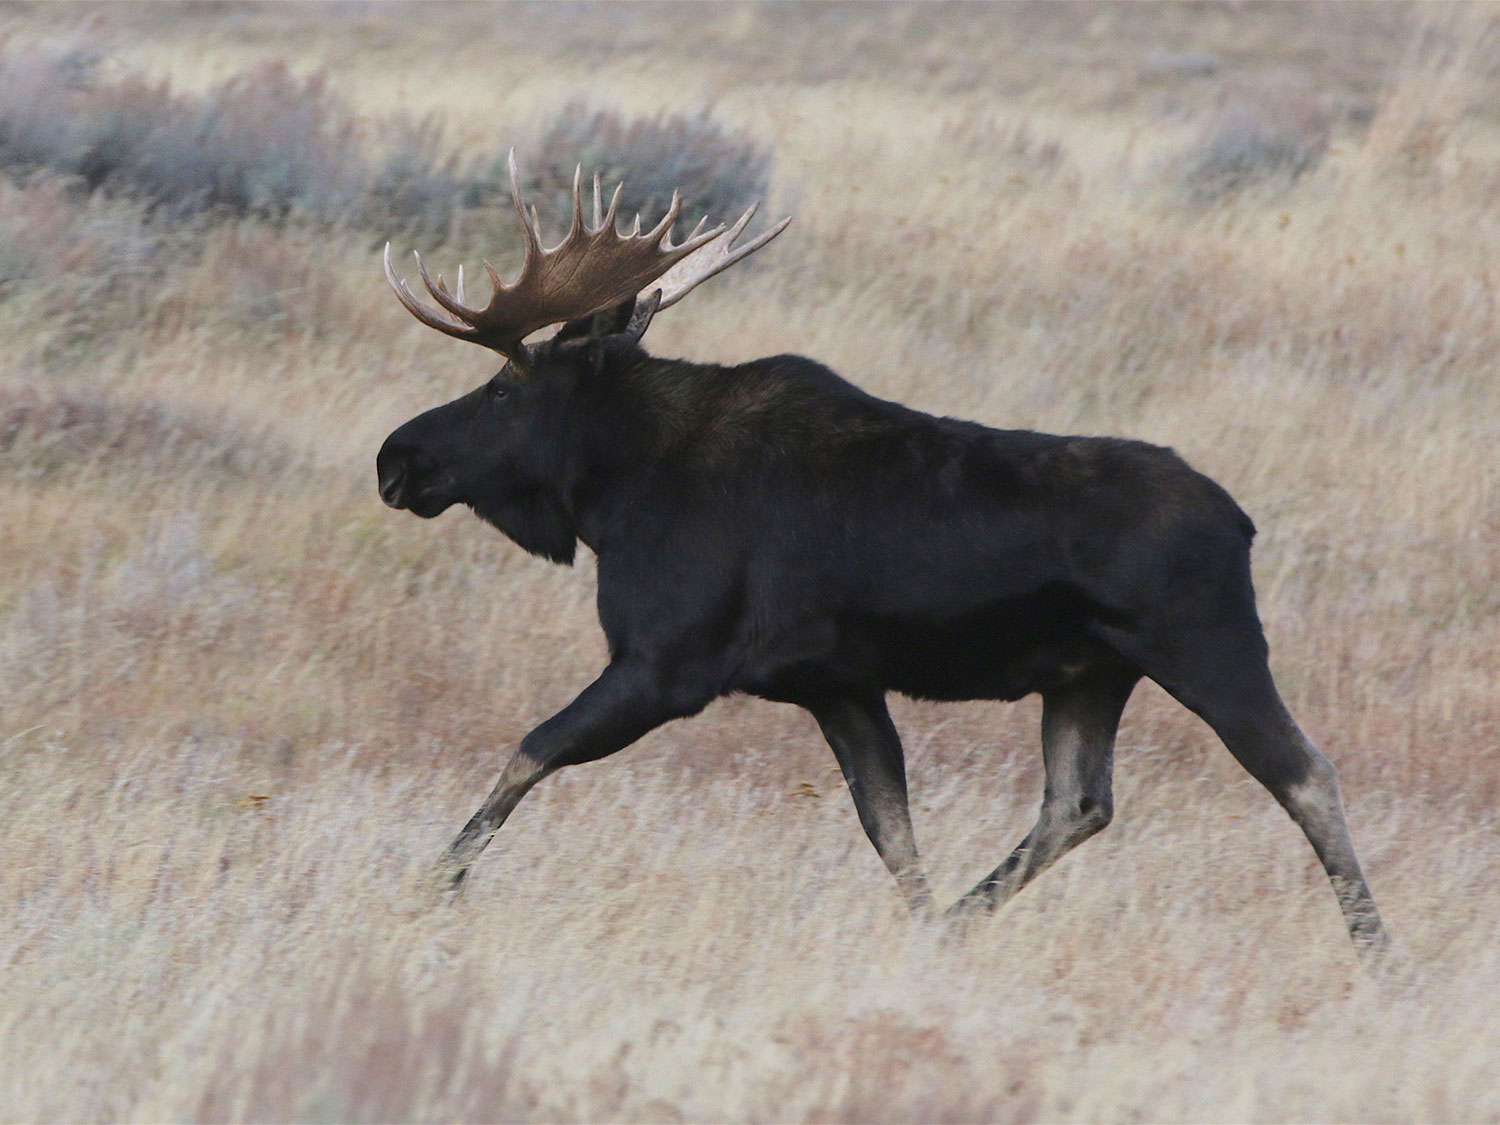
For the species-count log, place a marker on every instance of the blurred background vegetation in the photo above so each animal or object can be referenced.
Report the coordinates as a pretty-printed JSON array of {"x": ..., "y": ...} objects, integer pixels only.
[
  {"x": 242, "y": 704},
  {"x": 267, "y": 144}
]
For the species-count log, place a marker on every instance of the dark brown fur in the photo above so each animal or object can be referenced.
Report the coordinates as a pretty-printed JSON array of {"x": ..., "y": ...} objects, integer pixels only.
[{"x": 771, "y": 529}]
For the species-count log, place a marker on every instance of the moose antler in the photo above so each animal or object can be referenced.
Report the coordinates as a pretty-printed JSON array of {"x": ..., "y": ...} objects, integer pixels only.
[
  {"x": 592, "y": 269},
  {"x": 714, "y": 256}
]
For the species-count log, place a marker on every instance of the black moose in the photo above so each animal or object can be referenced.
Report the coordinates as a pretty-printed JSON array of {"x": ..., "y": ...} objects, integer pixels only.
[{"x": 771, "y": 529}]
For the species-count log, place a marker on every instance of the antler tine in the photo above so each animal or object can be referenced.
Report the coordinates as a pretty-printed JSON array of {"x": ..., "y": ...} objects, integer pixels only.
[
  {"x": 661, "y": 233},
  {"x": 440, "y": 295},
  {"x": 459, "y": 294},
  {"x": 744, "y": 220},
  {"x": 701, "y": 237},
  {"x": 598, "y": 209},
  {"x": 577, "y": 229},
  {"x": 428, "y": 316},
  {"x": 532, "y": 237},
  {"x": 715, "y": 255},
  {"x": 610, "y": 216}
]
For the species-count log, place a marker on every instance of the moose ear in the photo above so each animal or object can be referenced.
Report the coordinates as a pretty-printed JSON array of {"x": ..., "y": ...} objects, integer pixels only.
[
  {"x": 600, "y": 325},
  {"x": 630, "y": 318},
  {"x": 640, "y": 317}
]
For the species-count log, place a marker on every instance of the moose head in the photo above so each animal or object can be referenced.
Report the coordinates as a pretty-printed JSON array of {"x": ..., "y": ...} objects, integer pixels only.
[{"x": 518, "y": 449}]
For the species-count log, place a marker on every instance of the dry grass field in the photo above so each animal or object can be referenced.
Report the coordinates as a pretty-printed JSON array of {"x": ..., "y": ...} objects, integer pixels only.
[{"x": 243, "y": 706}]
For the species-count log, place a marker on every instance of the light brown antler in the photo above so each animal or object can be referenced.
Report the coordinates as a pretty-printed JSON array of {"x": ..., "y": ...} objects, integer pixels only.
[
  {"x": 714, "y": 256},
  {"x": 592, "y": 269}
]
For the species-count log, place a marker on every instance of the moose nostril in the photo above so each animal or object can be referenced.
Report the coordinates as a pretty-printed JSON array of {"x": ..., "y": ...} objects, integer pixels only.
[{"x": 391, "y": 479}]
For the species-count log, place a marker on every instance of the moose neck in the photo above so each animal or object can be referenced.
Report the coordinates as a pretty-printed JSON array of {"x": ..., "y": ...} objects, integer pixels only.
[{"x": 640, "y": 418}]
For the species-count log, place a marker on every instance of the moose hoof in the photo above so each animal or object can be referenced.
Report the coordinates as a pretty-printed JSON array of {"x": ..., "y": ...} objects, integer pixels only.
[
  {"x": 446, "y": 885},
  {"x": 960, "y": 918},
  {"x": 415, "y": 903}
]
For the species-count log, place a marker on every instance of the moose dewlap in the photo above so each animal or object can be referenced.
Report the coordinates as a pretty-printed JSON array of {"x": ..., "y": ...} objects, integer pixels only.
[{"x": 771, "y": 529}]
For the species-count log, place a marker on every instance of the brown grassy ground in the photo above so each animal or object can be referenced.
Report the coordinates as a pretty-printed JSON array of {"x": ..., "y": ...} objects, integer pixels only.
[{"x": 243, "y": 705}]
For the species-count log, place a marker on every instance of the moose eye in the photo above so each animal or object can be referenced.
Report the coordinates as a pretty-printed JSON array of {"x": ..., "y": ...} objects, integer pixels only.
[{"x": 498, "y": 390}]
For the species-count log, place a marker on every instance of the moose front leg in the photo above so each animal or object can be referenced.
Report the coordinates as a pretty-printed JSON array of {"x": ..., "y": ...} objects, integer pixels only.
[
  {"x": 868, "y": 749},
  {"x": 624, "y": 703}
]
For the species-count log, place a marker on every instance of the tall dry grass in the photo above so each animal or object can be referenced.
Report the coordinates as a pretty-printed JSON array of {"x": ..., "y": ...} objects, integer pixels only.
[{"x": 244, "y": 705}]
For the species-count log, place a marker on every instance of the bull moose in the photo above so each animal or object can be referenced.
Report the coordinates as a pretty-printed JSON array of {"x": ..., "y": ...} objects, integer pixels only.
[{"x": 770, "y": 529}]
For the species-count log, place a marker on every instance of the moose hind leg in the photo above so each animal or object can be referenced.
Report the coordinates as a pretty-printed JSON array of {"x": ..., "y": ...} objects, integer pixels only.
[
  {"x": 1079, "y": 722},
  {"x": 1249, "y": 716},
  {"x": 868, "y": 749}
]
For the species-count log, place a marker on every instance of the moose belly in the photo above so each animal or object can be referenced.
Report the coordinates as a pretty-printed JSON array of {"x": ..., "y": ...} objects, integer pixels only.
[{"x": 1005, "y": 650}]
